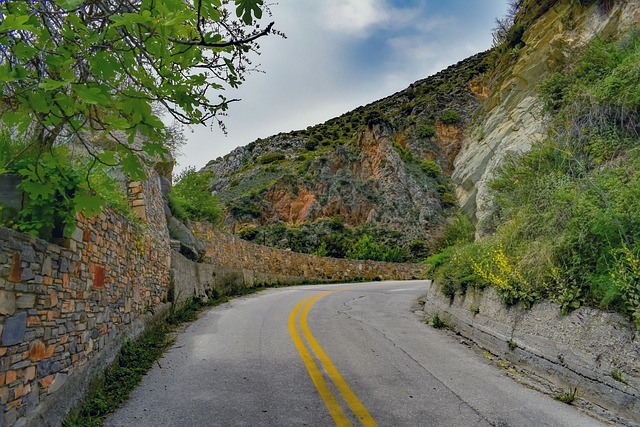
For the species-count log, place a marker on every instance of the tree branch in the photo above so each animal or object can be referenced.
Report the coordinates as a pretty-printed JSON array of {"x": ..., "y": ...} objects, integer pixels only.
[{"x": 202, "y": 43}]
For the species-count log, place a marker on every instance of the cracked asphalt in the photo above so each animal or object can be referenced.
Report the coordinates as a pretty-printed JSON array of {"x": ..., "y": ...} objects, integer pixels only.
[{"x": 237, "y": 366}]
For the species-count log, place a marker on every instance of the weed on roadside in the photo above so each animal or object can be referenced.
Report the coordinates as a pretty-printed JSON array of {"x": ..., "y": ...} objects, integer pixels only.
[
  {"x": 616, "y": 374},
  {"x": 438, "y": 322},
  {"x": 568, "y": 397}
]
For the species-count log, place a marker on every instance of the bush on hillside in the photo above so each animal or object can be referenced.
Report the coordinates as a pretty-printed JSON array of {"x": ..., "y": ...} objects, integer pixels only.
[
  {"x": 190, "y": 198},
  {"x": 567, "y": 209}
]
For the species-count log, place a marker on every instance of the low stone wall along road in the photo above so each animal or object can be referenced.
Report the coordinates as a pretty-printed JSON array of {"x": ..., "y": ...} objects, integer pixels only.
[{"x": 323, "y": 355}]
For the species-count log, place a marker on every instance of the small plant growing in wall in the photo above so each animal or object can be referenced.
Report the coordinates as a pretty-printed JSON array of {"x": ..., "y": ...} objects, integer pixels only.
[
  {"x": 616, "y": 374},
  {"x": 512, "y": 344},
  {"x": 438, "y": 322},
  {"x": 568, "y": 397},
  {"x": 474, "y": 309}
]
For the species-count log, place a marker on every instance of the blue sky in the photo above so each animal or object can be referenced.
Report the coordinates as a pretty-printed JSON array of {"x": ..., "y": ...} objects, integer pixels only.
[{"x": 338, "y": 55}]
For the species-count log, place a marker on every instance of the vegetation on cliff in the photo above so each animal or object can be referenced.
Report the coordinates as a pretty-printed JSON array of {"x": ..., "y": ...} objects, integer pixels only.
[
  {"x": 567, "y": 227},
  {"x": 380, "y": 170}
]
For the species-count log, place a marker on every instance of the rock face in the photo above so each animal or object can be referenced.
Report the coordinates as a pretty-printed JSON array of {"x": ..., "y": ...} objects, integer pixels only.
[
  {"x": 511, "y": 118},
  {"x": 365, "y": 166},
  {"x": 559, "y": 353}
]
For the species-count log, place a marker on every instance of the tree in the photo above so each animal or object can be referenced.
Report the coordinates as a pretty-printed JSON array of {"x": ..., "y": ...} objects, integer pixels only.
[
  {"x": 100, "y": 73},
  {"x": 92, "y": 70}
]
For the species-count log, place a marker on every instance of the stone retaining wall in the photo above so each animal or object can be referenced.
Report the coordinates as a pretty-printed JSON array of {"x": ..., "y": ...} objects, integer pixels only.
[
  {"x": 579, "y": 351},
  {"x": 265, "y": 265},
  {"x": 66, "y": 309}
]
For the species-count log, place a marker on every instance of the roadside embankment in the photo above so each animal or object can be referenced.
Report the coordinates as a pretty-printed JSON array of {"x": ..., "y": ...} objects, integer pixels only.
[{"x": 594, "y": 353}]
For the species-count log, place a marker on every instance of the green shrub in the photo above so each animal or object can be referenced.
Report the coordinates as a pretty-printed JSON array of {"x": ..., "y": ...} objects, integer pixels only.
[
  {"x": 374, "y": 117},
  {"x": 426, "y": 131},
  {"x": 271, "y": 158},
  {"x": 248, "y": 232},
  {"x": 450, "y": 117},
  {"x": 405, "y": 153},
  {"x": 367, "y": 248},
  {"x": 191, "y": 198},
  {"x": 459, "y": 230},
  {"x": 565, "y": 228},
  {"x": 311, "y": 144},
  {"x": 431, "y": 168}
]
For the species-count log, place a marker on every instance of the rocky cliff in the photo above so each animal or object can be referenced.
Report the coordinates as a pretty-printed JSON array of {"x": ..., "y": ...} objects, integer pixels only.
[
  {"x": 399, "y": 165},
  {"x": 511, "y": 117},
  {"x": 384, "y": 166}
]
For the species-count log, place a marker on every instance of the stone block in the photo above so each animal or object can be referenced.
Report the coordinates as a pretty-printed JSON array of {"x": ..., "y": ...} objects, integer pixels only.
[
  {"x": 46, "y": 381},
  {"x": 31, "y": 400},
  {"x": 77, "y": 235},
  {"x": 43, "y": 368},
  {"x": 27, "y": 274},
  {"x": 10, "y": 377},
  {"x": 58, "y": 382},
  {"x": 14, "y": 329},
  {"x": 47, "y": 266},
  {"x": 37, "y": 351},
  {"x": 20, "y": 365},
  {"x": 7, "y": 303},
  {"x": 15, "y": 273},
  {"x": 26, "y": 301},
  {"x": 28, "y": 254},
  {"x": 64, "y": 265},
  {"x": 30, "y": 373}
]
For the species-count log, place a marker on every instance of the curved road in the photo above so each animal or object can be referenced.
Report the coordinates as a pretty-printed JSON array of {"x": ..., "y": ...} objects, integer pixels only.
[{"x": 331, "y": 355}]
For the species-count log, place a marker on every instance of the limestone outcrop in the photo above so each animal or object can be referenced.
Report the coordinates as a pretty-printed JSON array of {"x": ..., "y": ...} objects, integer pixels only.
[{"x": 511, "y": 117}]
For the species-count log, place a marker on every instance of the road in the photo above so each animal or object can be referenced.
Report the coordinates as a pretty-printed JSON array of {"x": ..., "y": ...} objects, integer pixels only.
[{"x": 331, "y": 355}]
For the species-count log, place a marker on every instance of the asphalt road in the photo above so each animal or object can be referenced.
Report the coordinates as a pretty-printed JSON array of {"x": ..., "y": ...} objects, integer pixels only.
[{"x": 331, "y": 355}]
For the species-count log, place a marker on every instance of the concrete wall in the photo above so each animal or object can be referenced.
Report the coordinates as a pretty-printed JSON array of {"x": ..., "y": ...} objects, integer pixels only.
[
  {"x": 266, "y": 265},
  {"x": 579, "y": 350},
  {"x": 66, "y": 309}
]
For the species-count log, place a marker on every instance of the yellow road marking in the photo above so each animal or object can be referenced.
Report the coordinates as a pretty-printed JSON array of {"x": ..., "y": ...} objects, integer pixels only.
[
  {"x": 348, "y": 395},
  {"x": 316, "y": 376}
]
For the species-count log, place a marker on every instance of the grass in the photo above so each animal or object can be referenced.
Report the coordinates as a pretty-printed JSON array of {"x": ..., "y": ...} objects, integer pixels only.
[
  {"x": 616, "y": 374},
  {"x": 568, "y": 397},
  {"x": 109, "y": 391},
  {"x": 562, "y": 227},
  {"x": 438, "y": 322}
]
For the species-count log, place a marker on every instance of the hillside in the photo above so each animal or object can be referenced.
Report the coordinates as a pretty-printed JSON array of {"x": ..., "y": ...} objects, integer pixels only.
[
  {"x": 379, "y": 171},
  {"x": 536, "y": 141}
]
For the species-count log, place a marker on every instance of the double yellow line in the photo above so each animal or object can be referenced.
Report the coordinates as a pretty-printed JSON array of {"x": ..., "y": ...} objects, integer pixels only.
[{"x": 335, "y": 409}]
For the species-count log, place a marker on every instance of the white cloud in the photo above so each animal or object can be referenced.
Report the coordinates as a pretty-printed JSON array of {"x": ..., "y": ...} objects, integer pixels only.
[
  {"x": 352, "y": 17},
  {"x": 320, "y": 71}
]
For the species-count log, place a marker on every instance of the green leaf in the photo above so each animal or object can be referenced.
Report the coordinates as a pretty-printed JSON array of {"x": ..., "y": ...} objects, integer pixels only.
[
  {"x": 132, "y": 166},
  {"x": 88, "y": 204},
  {"x": 38, "y": 102},
  {"x": 107, "y": 157},
  {"x": 69, "y": 4},
  {"x": 36, "y": 189},
  {"x": 154, "y": 148},
  {"x": 244, "y": 8},
  {"x": 12, "y": 22},
  {"x": 91, "y": 95},
  {"x": 50, "y": 84}
]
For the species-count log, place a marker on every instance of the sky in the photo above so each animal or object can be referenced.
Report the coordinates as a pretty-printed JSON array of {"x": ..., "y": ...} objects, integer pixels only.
[{"x": 339, "y": 55}]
